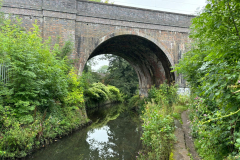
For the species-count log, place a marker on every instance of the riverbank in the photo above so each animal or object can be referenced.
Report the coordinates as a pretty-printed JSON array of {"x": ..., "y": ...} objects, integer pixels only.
[
  {"x": 114, "y": 134},
  {"x": 164, "y": 137},
  {"x": 19, "y": 140},
  {"x": 103, "y": 104}
]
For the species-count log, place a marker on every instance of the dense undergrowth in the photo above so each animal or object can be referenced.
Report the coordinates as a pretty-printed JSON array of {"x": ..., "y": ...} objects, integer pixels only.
[
  {"x": 99, "y": 94},
  {"x": 96, "y": 91},
  {"x": 44, "y": 97},
  {"x": 211, "y": 68},
  {"x": 158, "y": 113}
]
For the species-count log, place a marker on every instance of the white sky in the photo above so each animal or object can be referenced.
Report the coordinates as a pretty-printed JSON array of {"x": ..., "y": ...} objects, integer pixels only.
[{"x": 177, "y": 6}]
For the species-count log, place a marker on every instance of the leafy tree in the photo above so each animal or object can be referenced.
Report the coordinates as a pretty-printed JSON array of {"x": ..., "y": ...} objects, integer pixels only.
[
  {"x": 212, "y": 69},
  {"x": 35, "y": 74},
  {"x": 43, "y": 97},
  {"x": 89, "y": 76},
  {"x": 121, "y": 75},
  {"x": 103, "y": 69},
  {"x": 90, "y": 64}
]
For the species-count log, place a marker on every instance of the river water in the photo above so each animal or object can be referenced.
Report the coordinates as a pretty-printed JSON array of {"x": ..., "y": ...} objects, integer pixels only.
[{"x": 114, "y": 134}]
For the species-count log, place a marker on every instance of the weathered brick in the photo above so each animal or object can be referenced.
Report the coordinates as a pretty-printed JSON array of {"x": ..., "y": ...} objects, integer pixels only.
[{"x": 151, "y": 41}]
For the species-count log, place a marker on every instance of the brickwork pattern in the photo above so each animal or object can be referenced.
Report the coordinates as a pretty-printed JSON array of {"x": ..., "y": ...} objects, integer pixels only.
[{"x": 90, "y": 24}]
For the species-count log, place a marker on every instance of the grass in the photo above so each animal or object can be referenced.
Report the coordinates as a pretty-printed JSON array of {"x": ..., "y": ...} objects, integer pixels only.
[{"x": 178, "y": 109}]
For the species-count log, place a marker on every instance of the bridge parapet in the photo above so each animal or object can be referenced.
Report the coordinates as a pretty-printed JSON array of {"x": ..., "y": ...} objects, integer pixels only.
[
  {"x": 124, "y": 13},
  {"x": 26, "y": 4},
  {"x": 104, "y": 11}
]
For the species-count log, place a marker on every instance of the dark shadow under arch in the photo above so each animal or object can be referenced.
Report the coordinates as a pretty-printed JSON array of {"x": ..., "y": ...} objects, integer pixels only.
[{"x": 149, "y": 61}]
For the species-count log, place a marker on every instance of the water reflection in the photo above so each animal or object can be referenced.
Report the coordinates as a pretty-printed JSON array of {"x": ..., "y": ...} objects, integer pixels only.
[
  {"x": 114, "y": 134},
  {"x": 98, "y": 139}
]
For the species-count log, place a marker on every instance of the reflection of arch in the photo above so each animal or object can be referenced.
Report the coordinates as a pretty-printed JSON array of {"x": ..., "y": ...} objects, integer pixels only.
[{"x": 147, "y": 56}]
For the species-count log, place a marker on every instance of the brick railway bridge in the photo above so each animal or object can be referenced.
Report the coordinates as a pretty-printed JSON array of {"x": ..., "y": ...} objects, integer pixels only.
[{"x": 151, "y": 41}]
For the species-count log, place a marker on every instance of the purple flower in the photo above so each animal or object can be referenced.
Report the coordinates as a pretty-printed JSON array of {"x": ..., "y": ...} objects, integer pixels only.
[
  {"x": 238, "y": 81},
  {"x": 205, "y": 115}
]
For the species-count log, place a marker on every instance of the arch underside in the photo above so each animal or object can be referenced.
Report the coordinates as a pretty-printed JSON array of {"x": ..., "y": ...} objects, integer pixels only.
[{"x": 149, "y": 61}]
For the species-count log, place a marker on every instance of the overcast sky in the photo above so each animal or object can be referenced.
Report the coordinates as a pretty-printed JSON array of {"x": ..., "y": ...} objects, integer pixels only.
[{"x": 177, "y": 6}]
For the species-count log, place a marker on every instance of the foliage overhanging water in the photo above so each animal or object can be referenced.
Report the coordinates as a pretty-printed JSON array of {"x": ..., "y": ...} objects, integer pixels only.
[{"x": 114, "y": 134}]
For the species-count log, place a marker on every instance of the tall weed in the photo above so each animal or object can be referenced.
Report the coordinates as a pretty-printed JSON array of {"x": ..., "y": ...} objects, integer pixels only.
[{"x": 158, "y": 127}]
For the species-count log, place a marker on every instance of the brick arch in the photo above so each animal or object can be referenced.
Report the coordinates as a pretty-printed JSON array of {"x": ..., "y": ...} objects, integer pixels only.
[
  {"x": 159, "y": 44},
  {"x": 152, "y": 68}
]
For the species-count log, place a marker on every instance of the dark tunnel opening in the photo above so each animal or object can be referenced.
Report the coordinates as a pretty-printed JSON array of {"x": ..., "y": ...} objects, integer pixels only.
[{"x": 149, "y": 61}]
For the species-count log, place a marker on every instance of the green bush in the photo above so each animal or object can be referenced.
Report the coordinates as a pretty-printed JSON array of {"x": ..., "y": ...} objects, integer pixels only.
[
  {"x": 137, "y": 102},
  {"x": 37, "y": 78},
  {"x": 99, "y": 93},
  {"x": 211, "y": 67},
  {"x": 158, "y": 131},
  {"x": 115, "y": 94},
  {"x": 158, "y": 113},
  {"x": 184, "y": 99},
  {"x": 75, "y": 91},
  {"x": 43, "y": 97}
]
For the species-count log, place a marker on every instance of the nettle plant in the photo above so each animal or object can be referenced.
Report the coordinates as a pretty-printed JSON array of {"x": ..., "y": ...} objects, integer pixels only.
[{"x": 212, "y": 68}]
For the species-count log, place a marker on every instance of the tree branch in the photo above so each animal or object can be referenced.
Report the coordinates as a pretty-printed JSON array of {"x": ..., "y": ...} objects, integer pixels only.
[{"x": 233, "y": 20}]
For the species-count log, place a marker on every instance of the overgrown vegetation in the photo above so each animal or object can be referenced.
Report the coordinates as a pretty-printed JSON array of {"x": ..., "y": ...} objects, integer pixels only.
[
  {"x": 122, "y": 75},
  {"x": 99, "y": 94},
  {"x": 96, "y": 92},
  {"x": 43, "y": 98},
  {"x": 212, "y": 69},
  {"x": 118, "y": 74},
  {"x": 158, "y": 113}
]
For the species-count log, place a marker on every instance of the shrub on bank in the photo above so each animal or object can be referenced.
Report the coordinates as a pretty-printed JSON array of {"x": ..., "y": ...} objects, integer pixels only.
[
  {"x": 137, "y": 102},
  {"x": 17, "y": 139},
  {"x": 98, "y": 94},
  {"x": 158, "y": 136},
  {"x": 42, "y": 98},
  {"x": 158, "y": 113},
  {"x": 115, "y": 94},
  {"x": 211, "y": 67}
]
